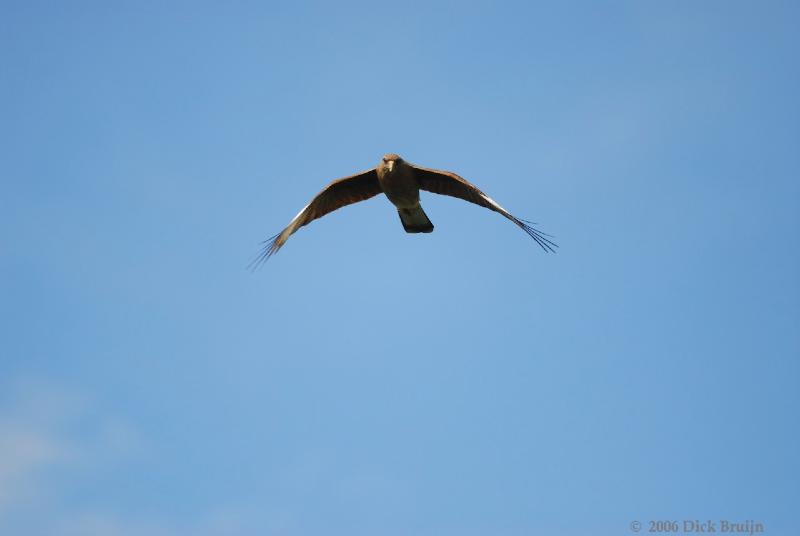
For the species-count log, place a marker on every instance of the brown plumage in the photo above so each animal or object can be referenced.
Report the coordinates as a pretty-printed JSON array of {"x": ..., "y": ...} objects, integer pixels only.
[{"x": 401, "y": 182}]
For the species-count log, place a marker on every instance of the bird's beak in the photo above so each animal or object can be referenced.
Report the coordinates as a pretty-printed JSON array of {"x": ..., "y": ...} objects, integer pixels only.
[{"x": 390, "y": 165}]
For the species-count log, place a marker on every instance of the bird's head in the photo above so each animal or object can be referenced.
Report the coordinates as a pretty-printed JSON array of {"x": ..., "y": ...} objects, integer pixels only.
[{"x": 390, "y": 162}]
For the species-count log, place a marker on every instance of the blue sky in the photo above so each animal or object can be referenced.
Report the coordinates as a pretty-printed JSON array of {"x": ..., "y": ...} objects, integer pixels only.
[{"x": 367, "y": 381}]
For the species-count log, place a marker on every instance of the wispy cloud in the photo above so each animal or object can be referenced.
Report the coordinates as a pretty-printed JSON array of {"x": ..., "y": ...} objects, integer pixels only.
[
  {"x": 32, "y": 441},
  {"x": 25, "y": 453},
  {"x": 47, "y": 431},
  {"x": 107, "y": 524},
  {"x": 48, "y": 435}
]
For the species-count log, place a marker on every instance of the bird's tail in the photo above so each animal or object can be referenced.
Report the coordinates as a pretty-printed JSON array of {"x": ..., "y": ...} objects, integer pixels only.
[{"x": 415, "y": 220}]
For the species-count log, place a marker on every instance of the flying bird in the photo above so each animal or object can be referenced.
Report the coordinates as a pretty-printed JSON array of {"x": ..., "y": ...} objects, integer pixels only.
[{"x": 401, "y": 182}]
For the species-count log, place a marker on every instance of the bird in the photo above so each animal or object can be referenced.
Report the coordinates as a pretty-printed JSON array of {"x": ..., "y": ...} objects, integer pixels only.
[{"x": 400, "y": 181}]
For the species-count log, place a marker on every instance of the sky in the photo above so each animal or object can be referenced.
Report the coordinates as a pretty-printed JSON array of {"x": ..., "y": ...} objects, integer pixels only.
[{"x": 368, "y": 381}]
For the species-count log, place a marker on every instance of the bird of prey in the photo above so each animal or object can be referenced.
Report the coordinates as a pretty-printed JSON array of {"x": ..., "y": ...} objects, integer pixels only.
[{"x": 401, "y": 182}]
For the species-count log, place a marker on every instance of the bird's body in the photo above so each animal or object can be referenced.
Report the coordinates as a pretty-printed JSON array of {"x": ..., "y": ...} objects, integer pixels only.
[
  {"x": 398, "y": 183},
  {"x": 401, "y": 183}
]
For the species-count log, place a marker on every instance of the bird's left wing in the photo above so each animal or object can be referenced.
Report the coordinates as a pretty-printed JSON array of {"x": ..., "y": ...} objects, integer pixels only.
[
  {"x": 339, "y": 193},
  {"x": 448, "y": 183}
]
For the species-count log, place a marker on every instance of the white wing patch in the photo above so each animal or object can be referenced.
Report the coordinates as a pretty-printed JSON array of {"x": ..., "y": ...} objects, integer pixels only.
[
  {"x": 493, "y": 203},
  {"x": 298, "y": 214}
]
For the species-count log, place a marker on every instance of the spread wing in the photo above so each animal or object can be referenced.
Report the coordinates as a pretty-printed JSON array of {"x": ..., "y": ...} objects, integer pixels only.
[
  {"x": 448, "y": 183},
  {"x": 339, "y": 193}
]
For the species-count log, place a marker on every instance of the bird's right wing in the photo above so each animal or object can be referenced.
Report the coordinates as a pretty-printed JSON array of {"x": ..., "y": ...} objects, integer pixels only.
[
  {"x": 448, "y": 183},
  {"x": 339, "y": 193}
]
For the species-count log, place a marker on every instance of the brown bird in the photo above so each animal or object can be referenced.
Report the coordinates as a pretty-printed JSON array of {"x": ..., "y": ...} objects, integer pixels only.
[{"x": 401, "y": 181}]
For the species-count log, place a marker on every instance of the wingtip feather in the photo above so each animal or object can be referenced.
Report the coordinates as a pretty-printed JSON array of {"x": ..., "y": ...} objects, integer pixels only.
[
  {"x": 269, "y": 248},
  {"x": 541, "y": 238}
]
